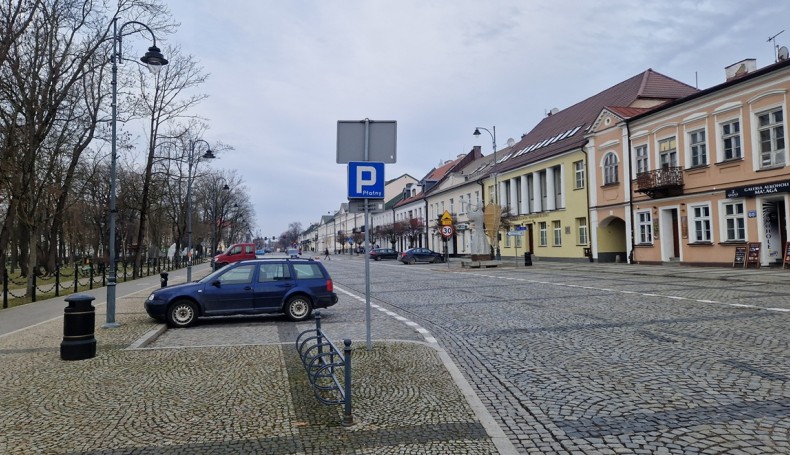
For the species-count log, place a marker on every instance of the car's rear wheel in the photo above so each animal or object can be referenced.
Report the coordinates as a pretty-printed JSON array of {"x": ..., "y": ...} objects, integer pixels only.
[
  {"x": 412, "y": 261},
  {"x": 298, "y": 308},
  {"x": 377, "y": 258},
  {"x": 182, "y": 313}
]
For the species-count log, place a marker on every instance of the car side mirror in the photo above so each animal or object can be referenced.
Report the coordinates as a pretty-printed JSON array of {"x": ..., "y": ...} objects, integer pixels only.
[{"x": 216, "y": 283}]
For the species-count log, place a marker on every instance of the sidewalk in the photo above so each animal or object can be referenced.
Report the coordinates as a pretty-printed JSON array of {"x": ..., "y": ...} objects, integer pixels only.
[
  {"x": 225, "y": 399},
  {"x": 774, "y": 274}
]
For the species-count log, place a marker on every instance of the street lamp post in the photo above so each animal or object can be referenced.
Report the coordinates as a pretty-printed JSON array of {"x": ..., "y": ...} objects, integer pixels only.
[
  {"x": 155, "y": 61},
  {"x": 214, "y": 239},
  {"x": 192, "y": 161},
  {"x": 496, "y": 184}
]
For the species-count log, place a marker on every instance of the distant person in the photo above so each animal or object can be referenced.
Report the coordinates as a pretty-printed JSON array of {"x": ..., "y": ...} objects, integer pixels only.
[{"x": 326, "y": 255}]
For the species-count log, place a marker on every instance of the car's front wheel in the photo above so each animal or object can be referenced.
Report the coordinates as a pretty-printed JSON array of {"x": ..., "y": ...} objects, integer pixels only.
[
  {"x": 298, "y": 308},
  {"x": 182, "y": 313}
]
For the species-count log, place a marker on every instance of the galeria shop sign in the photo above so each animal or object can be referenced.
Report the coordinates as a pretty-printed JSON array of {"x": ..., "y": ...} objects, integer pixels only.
[{"x": 757, "y": 190}]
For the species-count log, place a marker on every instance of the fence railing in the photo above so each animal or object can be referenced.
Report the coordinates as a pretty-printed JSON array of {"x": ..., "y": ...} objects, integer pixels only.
[
  {"x": 81, "y": 276},
  {"x": 322, "y": 360}
]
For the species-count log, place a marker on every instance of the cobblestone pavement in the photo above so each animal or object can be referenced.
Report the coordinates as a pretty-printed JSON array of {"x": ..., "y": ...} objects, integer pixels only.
[
  {"x": 232, "y": 386},
  {"x": 567, "y": 358},
  {"x": 604, "y": 359}
]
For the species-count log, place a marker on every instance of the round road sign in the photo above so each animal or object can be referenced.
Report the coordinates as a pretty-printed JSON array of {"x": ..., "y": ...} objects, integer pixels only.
[{"x": 447, "y": 231}]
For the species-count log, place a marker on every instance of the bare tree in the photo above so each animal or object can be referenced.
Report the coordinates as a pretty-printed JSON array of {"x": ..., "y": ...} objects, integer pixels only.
[
  {"x": 164, "y": 102},
  {"x": 52, "y": 82}
]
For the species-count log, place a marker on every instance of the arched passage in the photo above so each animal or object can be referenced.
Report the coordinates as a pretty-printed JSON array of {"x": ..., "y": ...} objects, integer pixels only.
[{"x": 612, "y": 240}]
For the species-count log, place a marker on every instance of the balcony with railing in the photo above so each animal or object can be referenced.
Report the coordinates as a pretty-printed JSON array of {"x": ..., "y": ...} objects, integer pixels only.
[{"x": 660, "y": 183}]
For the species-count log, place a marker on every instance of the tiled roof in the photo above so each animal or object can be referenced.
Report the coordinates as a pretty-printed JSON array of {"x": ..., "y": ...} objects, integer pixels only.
[
  {"x": 724, "y": 85},
  {"x": 436, "y": 174},
  {"x": 564, "y": 130},
  {"x": 628, "y": 112}
]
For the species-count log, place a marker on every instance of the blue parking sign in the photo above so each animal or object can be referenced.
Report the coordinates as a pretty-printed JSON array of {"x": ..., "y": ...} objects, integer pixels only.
[{"x": 365, "y": 180}]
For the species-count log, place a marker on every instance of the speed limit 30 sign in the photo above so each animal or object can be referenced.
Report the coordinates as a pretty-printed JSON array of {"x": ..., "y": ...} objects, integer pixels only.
[{"x": 447, "y": 231}]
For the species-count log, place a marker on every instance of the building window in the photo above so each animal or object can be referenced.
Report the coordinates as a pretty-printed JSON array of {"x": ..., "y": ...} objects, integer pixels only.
[
  {"x": 645, "y": 225},
  {"x": 700, "y": 219},
  {"x": 734, "y": 222},
  {"x": 557, "y": 227},
  {"x": 581, "y": 228},
  {"x": 731, "y": 139},
  {"x": 668, "y": 152},
  {"x": 452, "y": 206},
  {"x": 578, "y": 171},
  {"x": 699, "y": 149},
  {"x": 610, "y": 169},
  {"x": 542, "y": 228},
  {"x": 771, "y": 132},
  {"x": 641, "y": 159}
]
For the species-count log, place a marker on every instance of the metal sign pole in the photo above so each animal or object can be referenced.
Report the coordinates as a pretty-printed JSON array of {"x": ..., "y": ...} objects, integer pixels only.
[{"x": 367, "y": 250}]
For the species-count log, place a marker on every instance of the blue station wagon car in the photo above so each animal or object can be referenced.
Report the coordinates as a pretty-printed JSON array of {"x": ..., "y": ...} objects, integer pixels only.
[{"x": 278, "y": 285}]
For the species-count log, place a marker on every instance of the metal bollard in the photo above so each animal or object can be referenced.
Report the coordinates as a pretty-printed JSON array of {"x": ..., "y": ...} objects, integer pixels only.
[
  {"x": 163, "y": 279},
  {"x": 348, "y": 419},
  {"x": 527, "y": 259},
  {"x": 79, "y": 319}
]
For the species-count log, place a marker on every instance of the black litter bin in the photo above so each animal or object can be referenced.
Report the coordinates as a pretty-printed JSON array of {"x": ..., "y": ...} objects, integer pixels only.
[
  {"x": 79, "y": 319},
  {"x": 163, "y": 279},
  {"x": 527, "y": 259}
]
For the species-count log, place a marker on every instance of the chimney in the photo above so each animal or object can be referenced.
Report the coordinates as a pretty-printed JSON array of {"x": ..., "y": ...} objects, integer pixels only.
[{"x": 739, "y": 69}]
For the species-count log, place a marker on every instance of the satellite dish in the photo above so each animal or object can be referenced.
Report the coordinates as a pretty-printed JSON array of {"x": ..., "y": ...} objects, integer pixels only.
[
  {"x": 510, "y": 142},
  {"x": 782, "y": 54}
]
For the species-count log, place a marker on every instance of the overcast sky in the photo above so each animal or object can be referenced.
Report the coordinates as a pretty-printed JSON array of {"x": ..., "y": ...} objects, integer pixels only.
[{"x": 282, "y": 73}]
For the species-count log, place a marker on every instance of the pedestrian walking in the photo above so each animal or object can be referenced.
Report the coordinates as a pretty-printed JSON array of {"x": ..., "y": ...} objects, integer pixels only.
[{"x": 326, "y": 255}]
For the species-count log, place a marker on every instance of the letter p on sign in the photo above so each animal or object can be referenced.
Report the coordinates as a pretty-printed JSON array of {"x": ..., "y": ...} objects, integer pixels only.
[
  {"x": 365, "y": 180},
  {"x": 366, "y": 176}
]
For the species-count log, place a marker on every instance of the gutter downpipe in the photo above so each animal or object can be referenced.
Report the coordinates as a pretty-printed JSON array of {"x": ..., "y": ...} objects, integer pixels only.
[
  {"x": 427, "y": 237},
  {"x": 583, "y": 148},
  {"x": 630, "y": 197}
]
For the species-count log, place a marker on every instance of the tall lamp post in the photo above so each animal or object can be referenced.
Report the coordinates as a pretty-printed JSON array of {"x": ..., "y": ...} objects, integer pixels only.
[
  {"x": 496, "y": 184},
  {"x": 214, "y": 239},
  {"x": 155, "y": 61},
  {"x": 193, "y": 162}
]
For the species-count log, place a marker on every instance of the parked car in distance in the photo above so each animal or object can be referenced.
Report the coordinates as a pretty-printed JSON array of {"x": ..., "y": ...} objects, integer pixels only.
[
  {"x": 278, "y": 285},
  {"x": 259, "y": 253},
  {"x": 378, "y": 254},
  {"x": 414, "y": 255},
  {"x": 293, "y": 253},
  {"x": 234, "y": 253}
]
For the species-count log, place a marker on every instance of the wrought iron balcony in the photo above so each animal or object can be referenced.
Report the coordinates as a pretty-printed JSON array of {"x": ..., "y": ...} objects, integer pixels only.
[{"x": 664, "y": 182}]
